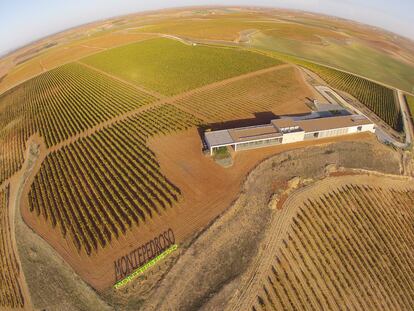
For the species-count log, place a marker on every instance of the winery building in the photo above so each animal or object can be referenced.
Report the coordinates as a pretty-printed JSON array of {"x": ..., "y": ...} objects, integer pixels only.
[{"x": 288, "y": 130}]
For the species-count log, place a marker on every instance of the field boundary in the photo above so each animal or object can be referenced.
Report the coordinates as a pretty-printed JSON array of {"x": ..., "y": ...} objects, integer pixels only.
[{"x": 139, "y": 88}]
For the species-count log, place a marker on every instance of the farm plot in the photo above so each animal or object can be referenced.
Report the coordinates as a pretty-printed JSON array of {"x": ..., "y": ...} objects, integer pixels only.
[
  {"x": 115, "y": 39},
  {"x": 12, "y": 146},
  {"x": 59, "y": 104},
  {"x": 349, "y": 245},
  {"x": 11, "y": 296},
  {"x": 100, "y": 186},
  {"x": 227, "y": 29},
  {"x": 171, "y": 67},
  {"x": 280, "y": 91},
  {"x": 379, "y": 99}
]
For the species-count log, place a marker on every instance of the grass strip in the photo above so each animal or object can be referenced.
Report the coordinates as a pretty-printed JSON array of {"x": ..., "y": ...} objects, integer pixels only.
[{"x": 145, "y": 267}]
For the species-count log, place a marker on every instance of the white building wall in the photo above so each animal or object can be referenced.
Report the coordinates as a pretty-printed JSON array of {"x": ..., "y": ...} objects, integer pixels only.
[
  {"x": 369, "y": 127},
  {"x": 293, "y": 137},
  {"x": 352, "y": 129},
  {"x": 298, "y": 136},
  {"x": 333, "y": 132}
]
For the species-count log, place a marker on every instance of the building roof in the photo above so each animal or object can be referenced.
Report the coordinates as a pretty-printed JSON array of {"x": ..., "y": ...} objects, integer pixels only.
[
  {"x": 272, "y": 130},
  {"x": 329, "y": 107},
  {"x": 254, "y": 133},
  {"x": 284, "y": 122},
  {"x": 321, "y": 124},
  {"x": 217, "y": 138}
]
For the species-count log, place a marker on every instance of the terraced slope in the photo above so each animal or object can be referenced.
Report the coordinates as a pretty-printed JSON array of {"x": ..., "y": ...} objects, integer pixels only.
[
  {"x": 59, "y": 104},
  {"x": 171, "y": 67},
  {"x": 97, "y": 187},
  {"x": 344, "y": 243}
]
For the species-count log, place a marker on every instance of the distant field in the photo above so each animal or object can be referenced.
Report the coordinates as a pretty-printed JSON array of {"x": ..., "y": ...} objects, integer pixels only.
[
  {"x": 113, "y": 39},
  {"x": 215, "y": 29},
  {"x": 354, "y": 56},
  {"x": 18, "y": 74},
  {"x": 348, "y": 244},
  {"x": 280, "y": 91},
  {"x": 171, "y": 67},
  {"x": 59, "y": 104},
  {"x": 225, "y": 28},
  {"x": 97, "y": 188},
  {"x": 66, "y": 54},
  {"x": 302, "y": 33}
]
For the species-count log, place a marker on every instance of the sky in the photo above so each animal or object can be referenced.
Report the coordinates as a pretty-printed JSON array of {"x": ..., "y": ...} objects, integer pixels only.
[{"x": 24, "y": 21}]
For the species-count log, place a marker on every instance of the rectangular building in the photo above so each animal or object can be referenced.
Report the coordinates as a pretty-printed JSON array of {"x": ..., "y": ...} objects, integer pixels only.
[{"x": 287, "y": 130}]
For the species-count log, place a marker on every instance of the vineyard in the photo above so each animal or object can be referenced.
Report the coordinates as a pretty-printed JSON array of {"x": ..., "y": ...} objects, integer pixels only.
[
  {"x": 98, "y": 187},
  {"x": 59, "y": 104},
  {"x": 183, "y": 68},
  {"x": 10, "y": 291},
  {"x": 377, "y": 98},
  {"x": 278, "y": 91},
  {"x": 348, "y": 247}
]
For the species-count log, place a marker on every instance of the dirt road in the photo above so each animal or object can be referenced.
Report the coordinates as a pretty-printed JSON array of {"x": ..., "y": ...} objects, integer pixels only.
[{"x": 17, "y": 185}]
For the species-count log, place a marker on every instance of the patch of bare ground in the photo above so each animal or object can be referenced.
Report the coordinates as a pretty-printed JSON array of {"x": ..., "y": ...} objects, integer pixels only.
[
  {"x": 52, "y": 283},
  {"x": 209, "y": 270}
]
